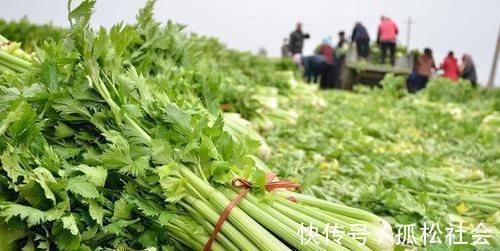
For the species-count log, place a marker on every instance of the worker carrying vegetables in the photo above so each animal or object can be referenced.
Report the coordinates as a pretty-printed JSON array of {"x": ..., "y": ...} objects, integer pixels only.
[
  {"x": 297, "y": 43},
  {"x": 342, "y": 39},
  {"x": 424, "y": 66},
  {"x": 386, "y": 38},
  {"x": 450, "y": 67},
  {"x": 361, "y": 38},
  {"x": 339, "y": 59}
]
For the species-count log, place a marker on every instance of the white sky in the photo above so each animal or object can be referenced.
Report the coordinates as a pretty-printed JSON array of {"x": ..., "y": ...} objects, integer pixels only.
[{"x": 465, "y": 26}]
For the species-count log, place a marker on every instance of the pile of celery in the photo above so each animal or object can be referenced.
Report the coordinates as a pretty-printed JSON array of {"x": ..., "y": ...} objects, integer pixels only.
[
  {"x": 12, "y": 58},
  {"x": 97, "y": 156}
]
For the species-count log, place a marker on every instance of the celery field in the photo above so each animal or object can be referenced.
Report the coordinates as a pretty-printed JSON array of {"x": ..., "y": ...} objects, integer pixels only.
[{"x": 146, "y": 137}]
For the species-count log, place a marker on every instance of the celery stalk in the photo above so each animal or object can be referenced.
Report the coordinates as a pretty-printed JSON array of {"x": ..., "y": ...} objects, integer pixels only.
[
  {"x": 333, "y": 207},
  {"x": 379, "y": 237},
  {"x": 4, "y": 56},
  {"x": 221, "y": 238},
  {"x": 303, "y": 218},
  {"x": 4, "y": 68},
  {"x": 11, "y": 66},
  {"x": 184, "y": 238},
  {"x": 202, "y": 239},
  {"x": 227, "y": 229},
  {"x": 279, "y": 224},
  {"x": 248, "y": 226}
]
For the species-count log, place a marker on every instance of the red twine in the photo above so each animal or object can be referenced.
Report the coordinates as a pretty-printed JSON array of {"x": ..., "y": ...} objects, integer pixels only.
[{"x": 246, "y": 186}]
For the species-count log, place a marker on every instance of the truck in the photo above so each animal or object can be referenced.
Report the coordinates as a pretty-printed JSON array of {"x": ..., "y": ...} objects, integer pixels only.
[{"x": 370, "y": 72}]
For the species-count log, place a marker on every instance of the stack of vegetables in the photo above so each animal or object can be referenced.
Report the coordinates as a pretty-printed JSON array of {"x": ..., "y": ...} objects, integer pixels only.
[
  {"x": 12, "y": 58},
  {"x": 115, "y": 140},
  {"x": 99, "y": 152}
]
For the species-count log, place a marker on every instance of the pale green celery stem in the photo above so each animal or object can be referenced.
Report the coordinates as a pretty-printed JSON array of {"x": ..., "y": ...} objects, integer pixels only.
[
  {"x": 3, "y": 39},
  {"x": 372, "y": 241},
  {"x": 486, "y": 208},
  {"x": 487, "y": 183},
  {"x": 4, "y": 68},
  {"x": 184, "y": 238},
  {"x": 221, "y": 237},
  {"x": 332, "y": 207},
  {"x": 248, "y": 226},
  {"x": 276, "y": 222},
  {"x": 472, "y": 187},
  {"x": 228, "y": 229},
  {"x": 127, "y": 119},
  {"x": 349, "y": 220},
  {"x": 200, "y": 170},
  {"x": 301, "y": 217},
  {"x": 12, "y": 67},
  {"x": 344, "y": 220},
  {"x": 490, "y": 196},
  {"x": 11, "y": 59},
  {"x": 101, "y": 89},
  {"x": 197, "y": 194},
  {"x": 475, "y": 189},
  {"x": 116, "y": 110},
  {"x": 216, "y": 246},
  {"x": 482, "y": 201},
  {"x": 113, "y": 88}
]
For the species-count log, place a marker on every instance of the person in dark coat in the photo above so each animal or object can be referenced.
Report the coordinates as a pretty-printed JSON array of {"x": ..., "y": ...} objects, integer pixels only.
[
  {"x": 297, "y": 40},
  {"x": 468, "y": 69},
  {"x": 362, "y": 39},
  {"x": 327, "y": 76},
  {"x": 339, "y": 60},
  {"x": 342, "y": 39},
  {"x": 313, "y": 67}
]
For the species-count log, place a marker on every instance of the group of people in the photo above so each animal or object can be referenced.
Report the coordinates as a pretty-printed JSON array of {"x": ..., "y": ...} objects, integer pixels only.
[
  {"x": 324, "y": 65},
  {"x": 424, "y": 66},
  {"x": 328, "y": 59}
]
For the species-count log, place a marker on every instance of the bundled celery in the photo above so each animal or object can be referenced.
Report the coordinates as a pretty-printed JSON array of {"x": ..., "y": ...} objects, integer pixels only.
[
  {"x": 12, "y": 58},
  {"x": 95, "y": 155}
]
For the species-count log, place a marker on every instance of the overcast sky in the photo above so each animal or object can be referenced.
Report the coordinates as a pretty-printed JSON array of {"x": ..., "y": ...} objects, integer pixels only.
[{"x": 465, "y": 26}]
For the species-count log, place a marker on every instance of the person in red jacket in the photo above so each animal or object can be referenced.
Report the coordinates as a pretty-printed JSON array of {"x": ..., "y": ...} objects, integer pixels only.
[
  {"x": 450, "y": 67},
  {"x": 386, "y": 38}
]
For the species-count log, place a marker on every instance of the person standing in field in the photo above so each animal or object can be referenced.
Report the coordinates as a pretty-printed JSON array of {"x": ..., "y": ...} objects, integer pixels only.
[
  {"x": 361, "y": 38},
  {"x": 339, "y": 59},
  {"x": 468, "y": 69},
  {"x": 297, "y": 43},
  {"x": 342, "y": 39},
  {"x": 327, "y": 76},
  {"x": 285, "y": 51},
  {"x": 450, "y": 67},
  {"x": 386, "y": 38},
  {"x": 424, "y": 66}
]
